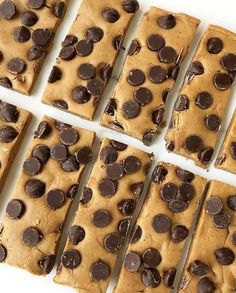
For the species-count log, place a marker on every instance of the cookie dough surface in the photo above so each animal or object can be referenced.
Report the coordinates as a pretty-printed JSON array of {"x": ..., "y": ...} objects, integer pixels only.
[
  {"x": 152, "y": 66},
  {"x": 158, "y": 240},
  {"x": 104, "y": 215},
  {"x": 201, "y": 105},
  {"x": 27, "y": 29},
  {"x": 88, "y": 54},
  {"x": 34, "y": 216}
]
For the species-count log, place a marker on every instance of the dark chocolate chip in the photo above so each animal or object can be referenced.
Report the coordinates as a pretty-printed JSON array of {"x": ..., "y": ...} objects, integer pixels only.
[
  {"x": 155, "y": 42},
  {"x": 111, "y": 15},
  {"x": 179, "y": 233},
  {"x": 42, "y": 153},
  {"x": 215, "y": 45},
  {"x": 55, "y": 75},
  {"x": 233, "y": 238},
  {"x": 106, "y": 72},
  {"x": 151, "y": 257},
  {"x": 70, "y": 164},
  {"x": 151, "y": 278},
  {"x": 35, "y": 188},
  {"x": 157, "y": 74},
  {"x": 42, "y": 37},
  {"x": 148, "y": 137},
  {"x": 182, "y": 103},
  {"x": 177, "y": 206},
  {"x": 229, "y": 62},
  {"x": 86, "y": 196},
  {"x": 69, "y": 136},
  {"x": 119, "y": 146},
  {"x": 196, "y": 68},
  {"x": 161, "y": 223},
  {"x": 43, "y": 130},
  {"x": 127, "y": 207},
  {"x": 169, "y": 277},
  {"x": 7, "y": 9},
  {"x": 193, "y": 144},
  {"x": 94, "y": 34},
  {"x": 55, "y": 198},
  {"x": 100, "y": 271},
  {"x": 72, "y": 191},
  {"x": 205, "y": 155},
  {"x": 28, "y": 18},
  {"x": 167, "y": 55},
  {"x": 84, "y": 155},
  {"x": 36, "y": 4},
  {"x": 35, "y": 53},
  {"x": 113, "y": 242},
  {"x": 134, "y": 48},
  {"x": 186, "y": 191},
  {"x": 166, "y": 21},
  {"x": 169, "y": 192},
  {"x": 159, "y": 174},
  {"x": 124, "y": 226},
  {"x": 220, "y": 160},
  {"x": 15, "y": 209},
  {"x": 224, "y": 256},
  {"x": 130, "y": 6},
  {"x": 32, "y": 166},
  {"x": 204, "y": 100},
  {"x": 132, "y": 262},
  {"x": 221, "y": 220},
  {"x": 136, "y": 235},
  {"x": 80, "y": 95},
  {"x": 231, "y": 202},
  {"x": 132, "y": 164},
  {"x": 233, "y": 150},
  {"x": 76, "y": 234},
  {"x": 136, "y": 77},
  {"x": 95, "y": 87},
  {"x": 84, "y": 48},
  {"x": 59, "y": 9},
  {"x": 158, "y": 115},
  {"x": 101, "y": 218},
  {"x": 143, "y": 96},
  {"x": 5, "y": 82},
  {"x": 114, "y": 171},
  {"x": 47, "y": 263},
  {"x": 7, "y": 134},
  {"x": 59, "y": 152},
  {"x": 173, "y": 71},
  {"x": 71, "y": 259},
  {"x": 222, "y": 81},
  {"x": 213, "y": 122},
  {"x": 8, "y": 112},
  {"x": 107, "y": 188},
  {"x": 205, "y": 285},
  {"x": 3, "y": 253},
  {"x": 214, "y": 205},
  {"x": 184, "y": 175},
  {"x": 69, "y": 40},
  {"x": 111, "y": 107},
  {"x": 198, "y": 268},
  {"x": 137, "y": 189},
  {"x": 31, "y": 236},
  {"x": 86, "y": 71},
  {"x": 130, "y": 109},
  {"x": 21, "y": 34},
  {"x": 67, "y": 53},
  {"x": 108, "y": 154},
  {"x": 170, "y": 146}
]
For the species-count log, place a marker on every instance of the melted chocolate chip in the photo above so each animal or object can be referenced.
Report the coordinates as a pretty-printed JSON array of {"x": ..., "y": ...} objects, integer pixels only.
[
  {"x": 158, "y": 115},
  {"x": 127, "y": 207},
  {"x": 134, "y": 48},
  {"x": 124, "y": 226},
  {"x": 159, "y": 174},
  {"x": 169, "y": 277},
  {"x": 47, "y": 263},
  {"x": 111, "y": 107},
  {"x": 233, "y": 150},
  {"x": 72, "y": 191},
  {"x": 205, "y": 155},
  {"x": 136, "y": 235},
  {"x": 117, "y": 42},
  {"x": 5, "y": 82},
  {"x": 3, "y": 253},
  {"x": 137, "y": 189},
  {"x": 86, "y": 196},
  {"x": 59, "y": 9}
]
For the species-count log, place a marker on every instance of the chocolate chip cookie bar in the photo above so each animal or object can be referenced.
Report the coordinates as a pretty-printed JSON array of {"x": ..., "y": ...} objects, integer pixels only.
[
  {"x": 226, "y": 159},
  {"x": 158, "y": 240},
  {"x": 27, "y": 28},
  {"x": 211, "y": 265},
  {"x": 34, "y": 217},
  {"x": 104, "y": 217},
  {"x": 152, "y": 66},
  {"x": 202, "y": 102},
  {"x": 13, "y": 125},
  {"x": 84, "y": 66}
]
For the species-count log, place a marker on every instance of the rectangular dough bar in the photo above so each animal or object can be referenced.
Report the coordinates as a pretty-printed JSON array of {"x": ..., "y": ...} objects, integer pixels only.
[
  {"x": 202, "y": 269},
  {"x": 104, "y": 215},
  {"x": 83, "y": 68},
  {"x": 160, "y": 46},
  {"x": 34, "y": 217},
  {"x": 202, "y": 103}
]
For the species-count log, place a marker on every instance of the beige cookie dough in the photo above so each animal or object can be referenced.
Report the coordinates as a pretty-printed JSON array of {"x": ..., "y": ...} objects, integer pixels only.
[
  {"x": 13, "y": 126},
  {"x": 211, "y": 265},
  {"x": 27, "y": 29},
  {"x": 152, "y": 66},
  {"x": 201, "y": 105},
  {"x": 157, "y": 244},
  {"x": 88, "y": 54},
  {"x": 104, "y": 215},
  {"x": 38, "y": 207}
]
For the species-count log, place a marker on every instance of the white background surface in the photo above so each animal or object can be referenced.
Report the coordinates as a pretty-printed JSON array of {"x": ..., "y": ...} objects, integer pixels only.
[{"x": 211, "y": 11}]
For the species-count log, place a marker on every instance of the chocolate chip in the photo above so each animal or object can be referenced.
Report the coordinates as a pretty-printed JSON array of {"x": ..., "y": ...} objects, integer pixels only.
[
  {"x": 67, "y": 53},
  {"x": 117, "y": 42},
  {"x": 36, "y": 4},
  {"x": 42, "y": 153},
  {"x": 42, "y": 37},
  {"x": 231, "y": 202},
  {"x": 124, "y": 226},
  {"x": 70, "y": 164},
  {"x": 119, "y": 146},
  {"x": 5, "y": 82},
  {"x": 204, "y": 100},
  {"x": 169, "y": 277},
  {"x": 101, "y": 218},
  {"x": 132, "y": 262},
  {"x": 7, "y": 134},
  {"x": 182, "y": 103},
  {"x": 95, "y": 87},
  {"x": 159, "y": 174},
  {"x": 132, "y": 165},
  {"x": 170, "y": 146},
  {"x": 72, "y": 191},
  {"x": 114, "y": 171},
  {"x": 94, "y": 34},
  {"x": 221, "y": 220},
  {"x": 15, "y": 209},
  {"x": 198, "y": 268},
  {"x": 161, "y": 223},
  {"x": 61, "y": 125},
  {"x": 69, "y": 136},
  {"x": 229, "y": 62},
  {"x": 84, "y": 155},
  {"x": 80, "y": 95},
  {"x": 193, "y": 144},
  {"x": 205, "y": 155},
  {"x": 136, "y": 77},
  {"x": 76, "y": 234},
  {"x": 107, "y": 188},
  {"x": 213, "y": 122},
  {"x": 136, "y": 235},
  {"x": 111, "y": 107},
  {"x": 222, "y": 81},
  {"x": 206, "y": 285},
  {"x": 61, "y": 104},
  {"x": 29, "y": 18},
  {"x": 168, "y": 192},
  {"x": 196, "y": 68},
  {"x": 130, "y": 6},
  {"x": 148, "y": 137},
  {"x": 86, "y": 196},
  {"x": 224, "y": 256},
  {"x": 32, "y": 166},
  {"x": 8, "y": 112},
  {"x": 35, "y": 53},
  {"x": 69, "y": 40},
  {"x": 71, "y": 259},
  {"x": 106, "y": 72},
  {"x": 7, "y": 9},
  {"x": 177, "y": 206},
  {"x": 158, "y": 115},
  {"x": 59, "y": 152},
  {"x": 84, "y": 48},
  {"x": 215, "y": 45},
  {"x": 55, "y": 75},
  {"x": 233, "y": 150},
  {"x": 111, "y": 15},
  {"x": 43, "y": 130},
  {"x": 127, "y": 207},
  {"x": 137, "y": 189},
  {"x": 220, "y": 160},
  {"x": 151, "y": 257},
  {"x": 186, "y": 191},
  {"x": 151, "y": 278},
  {"x": 55, "y": 198},
  {"x": 21, "y": 34},
  {"x": 166, "y": 21},
  {"x": 173, "y": 72},
  {"x": 35, "y": 188},
  {"x": 130, "y": 109},
  {"x": 47, "y": 263},
  {"x": 117, "y": 126},
  {"x": 31, "y": 237},
  {"x": 134, "y": 48},
  {"x": 179, "y": 233},
  {"x": 155, "y": 42},
  {"x": 59, "y": 9},
  {"x": 184, "y": 175},
  {"x": 157, "y": 74},
  {"x": 113, "y": 242},
  {"x": 100, "y": 271},
  {"x": 214, "y": 205},
  {"x": 86, "y": 71},
  {"x": 3, "y": 253},
  {"x": 167, "y": 55},
  {"x": 233, "y": 238},
  {"x": 108, "y": 154},
  {"x": 143, "y": 96}
]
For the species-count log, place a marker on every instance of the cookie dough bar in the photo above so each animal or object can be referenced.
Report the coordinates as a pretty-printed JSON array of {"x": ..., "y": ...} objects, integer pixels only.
[
  {"x": 152, "y": 66},
  {"x": 201, "y": 105},
  {"x": 34, "y": 217},
  {"x": 158, "y": 240},
  {"x": 103, "y": 218},
  {"x": 211, "y": 265},
  {"x": 88, "y": 54},
  {"x": 27, "y": 28},
  {"x": 226, "y": 159},
  {"x": 13, "y": 126}
]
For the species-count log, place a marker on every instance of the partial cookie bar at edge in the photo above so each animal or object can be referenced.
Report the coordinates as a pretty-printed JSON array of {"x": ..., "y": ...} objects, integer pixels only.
[
  {"x": 14, "y": 122},
  {"x": 154, "y": 59},
  {"x": 157, "y": 243},
  {"x": 27, "y": 30},
  {"x": 202, "y": 103},
  {"x": 85, "y": 63},
  {"x": 103, "y": 217},
  {"x": 211, "y": 265},
  {"x": 47, "y": 185}
]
